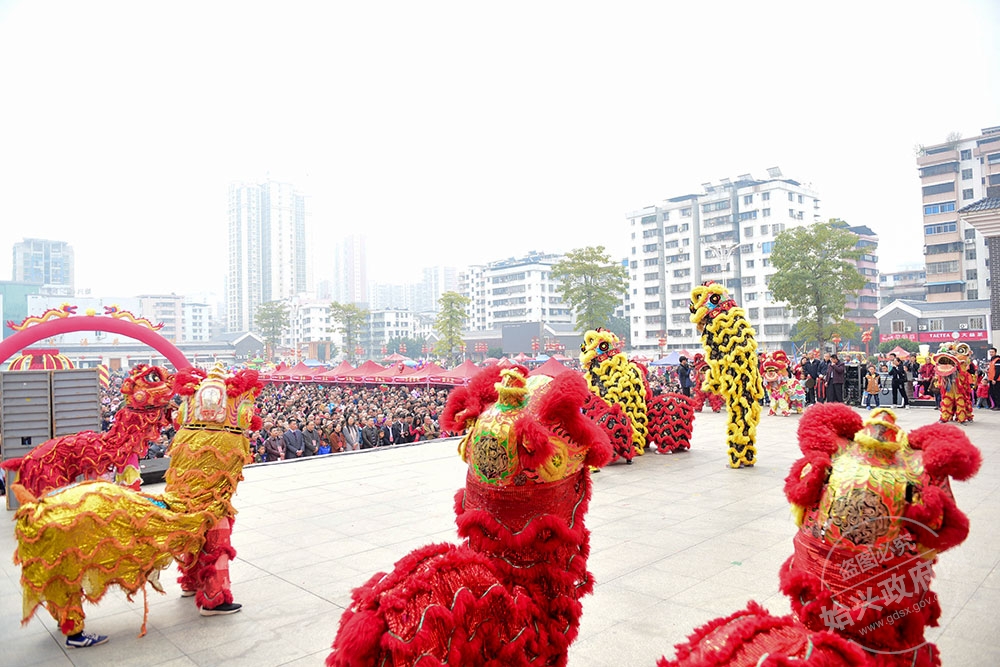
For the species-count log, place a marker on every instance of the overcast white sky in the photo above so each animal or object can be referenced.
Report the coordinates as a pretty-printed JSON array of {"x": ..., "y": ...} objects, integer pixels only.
[{"x": 460, "y": 132}]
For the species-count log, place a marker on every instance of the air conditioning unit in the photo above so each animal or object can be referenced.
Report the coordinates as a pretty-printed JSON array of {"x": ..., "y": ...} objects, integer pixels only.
[
  {"x": 970, "y": 241},
  {"x": 963, "y": 326},
  {"x": 922, "y": 327},
  {"x": 909, "y": 329}
]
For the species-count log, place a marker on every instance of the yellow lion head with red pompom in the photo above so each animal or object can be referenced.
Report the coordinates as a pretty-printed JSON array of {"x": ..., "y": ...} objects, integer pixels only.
[
  {"x": 599, "y": 345},
  {"x": 708, "y": 301}
]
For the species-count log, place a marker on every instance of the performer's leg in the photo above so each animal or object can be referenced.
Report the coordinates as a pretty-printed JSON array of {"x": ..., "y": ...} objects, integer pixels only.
[
  {"x": 72, "y": 626},
  {"x": 211, "y": 572}
]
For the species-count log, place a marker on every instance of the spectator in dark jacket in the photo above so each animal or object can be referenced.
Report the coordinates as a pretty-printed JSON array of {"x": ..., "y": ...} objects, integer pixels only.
[
  {"x": 838, "y": 375},
  {"x": 897, "y": 374},
  {"x": 369, "y": 435},
  {"x": 274, "y": 446},
  {"x": 811, "y": 368},
  {"x": 295, "y": 443},
  {"x": 386, "y": 435},
  {"x": 311, "y": 438},
  {"x": 684, "y": 376}
]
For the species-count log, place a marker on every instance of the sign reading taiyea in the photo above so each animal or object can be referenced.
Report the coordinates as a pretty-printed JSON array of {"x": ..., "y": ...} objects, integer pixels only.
[{"x": 936, "y": 336}]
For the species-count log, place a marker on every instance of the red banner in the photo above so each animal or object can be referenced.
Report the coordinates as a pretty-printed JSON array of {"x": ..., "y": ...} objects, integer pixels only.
[
  {"x": 944, "y": 336},
  {"x": 936, "y": 336},
  {"x": 907, "y": 336}
]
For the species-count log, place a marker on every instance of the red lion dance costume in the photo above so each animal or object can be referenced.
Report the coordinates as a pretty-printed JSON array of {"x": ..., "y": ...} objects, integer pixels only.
[
  {"x": 698, "y": 394},
  {"x": 874, "y": 509},
  {"x": 951, "y": 370},
  {"x": 510, "y": 594},
  {"x": 147, "y": 392},
  {"x": 77, "y": 541}
]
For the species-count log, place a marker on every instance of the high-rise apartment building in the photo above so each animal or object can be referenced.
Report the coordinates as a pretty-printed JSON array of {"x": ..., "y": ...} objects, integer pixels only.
[
  {"x": 436, "y": 281},
  {"x": 384, "y": 295},
  {"x": 725, "y": 234},
  {"x": 267, "y": 248},
  {"x": 350, "y": 271},
  {"x": 46, "y": 263},
  {"x": 905, "y": 284},
  {"x": 861, "y": 307},
  {"x": 952, "y": 175},
  {"x": 513, "y": 291}
]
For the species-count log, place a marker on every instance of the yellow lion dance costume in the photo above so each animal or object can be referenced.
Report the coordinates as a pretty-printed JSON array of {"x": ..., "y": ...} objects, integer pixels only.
[
  {"x": 731, "y": 354},
  {"x": 614, "y": 378},
  {"x": 76, "y": 542}
]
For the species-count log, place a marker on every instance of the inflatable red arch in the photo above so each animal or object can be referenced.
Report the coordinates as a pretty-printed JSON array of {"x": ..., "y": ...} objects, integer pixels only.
[{"x": 22, "y": 339}]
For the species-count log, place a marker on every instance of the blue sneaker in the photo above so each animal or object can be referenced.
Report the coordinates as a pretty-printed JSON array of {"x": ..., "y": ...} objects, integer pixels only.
[{"x": 85, "y": 640}]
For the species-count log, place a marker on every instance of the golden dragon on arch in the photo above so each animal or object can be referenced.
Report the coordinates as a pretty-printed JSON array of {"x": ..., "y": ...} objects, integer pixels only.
[{"x": 64, "y": 310}]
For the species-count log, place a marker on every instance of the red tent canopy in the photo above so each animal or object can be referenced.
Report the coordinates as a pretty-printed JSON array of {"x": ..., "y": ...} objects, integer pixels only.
[
  {"x": 900, "y": 352},
  {"x": 395, "y": 357},
  {"x": 421, "y": 375},
  {"x": 458, "y": 375},
  {"x": 286, "y": 374},
  {"x": 552, "y": 368},
  {"x": 391, "y": 374},
  {"x": 367, "y": 368},
  {"x": 312, "y": 375},
  {"x": 521, "y": 357},
  {"x": 298, "y": 369},
  {"x": 342, "y": 369}
]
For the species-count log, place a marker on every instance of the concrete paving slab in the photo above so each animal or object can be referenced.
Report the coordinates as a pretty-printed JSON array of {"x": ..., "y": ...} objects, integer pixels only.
[{"x": 677, "y": 540}]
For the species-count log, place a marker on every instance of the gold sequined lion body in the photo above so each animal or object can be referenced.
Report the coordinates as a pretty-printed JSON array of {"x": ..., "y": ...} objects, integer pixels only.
[{"x": 77, "y": 541}]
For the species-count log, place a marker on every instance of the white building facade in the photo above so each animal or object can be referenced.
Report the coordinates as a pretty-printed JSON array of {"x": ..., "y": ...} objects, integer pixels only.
[
  {"x": 49, "y": 264},
  {"x": 952, "y": 175},
  {"x": 197, "y": 322},
  {"x": 513, "y": 291},
  {"x": 383, "y": 326},
  {"x": 725, "y": 234}
]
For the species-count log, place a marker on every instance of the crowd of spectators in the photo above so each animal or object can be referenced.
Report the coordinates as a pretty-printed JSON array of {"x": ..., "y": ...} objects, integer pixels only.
[{"x": 305, "y": 419}]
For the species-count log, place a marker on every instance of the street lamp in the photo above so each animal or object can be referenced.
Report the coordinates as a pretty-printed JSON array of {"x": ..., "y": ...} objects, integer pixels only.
[{"x": 724, "y": 253}]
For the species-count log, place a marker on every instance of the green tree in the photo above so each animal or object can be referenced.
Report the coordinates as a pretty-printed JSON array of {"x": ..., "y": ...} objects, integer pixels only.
[
  {"x": 592, "y": 284},
  {"x": 448, "y": 325},
  {"x": 905, "y": 343},
  {"x": 271, "y": 319},
  {"x": 815, "y": 272},
  {"x": 349, "y": 320},
  {"x": 413, "y": 346},
  {"x": 619, "y": 327}
]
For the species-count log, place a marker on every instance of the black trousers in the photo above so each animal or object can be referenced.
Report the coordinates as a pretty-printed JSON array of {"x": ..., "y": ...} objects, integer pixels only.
[
  {"x": 995, "y": 394},
  {"x": 901, "y": 388}
]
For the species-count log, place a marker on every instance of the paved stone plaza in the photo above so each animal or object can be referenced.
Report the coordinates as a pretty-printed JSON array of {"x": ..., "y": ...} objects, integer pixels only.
[{"x": 676, "y": 540}]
